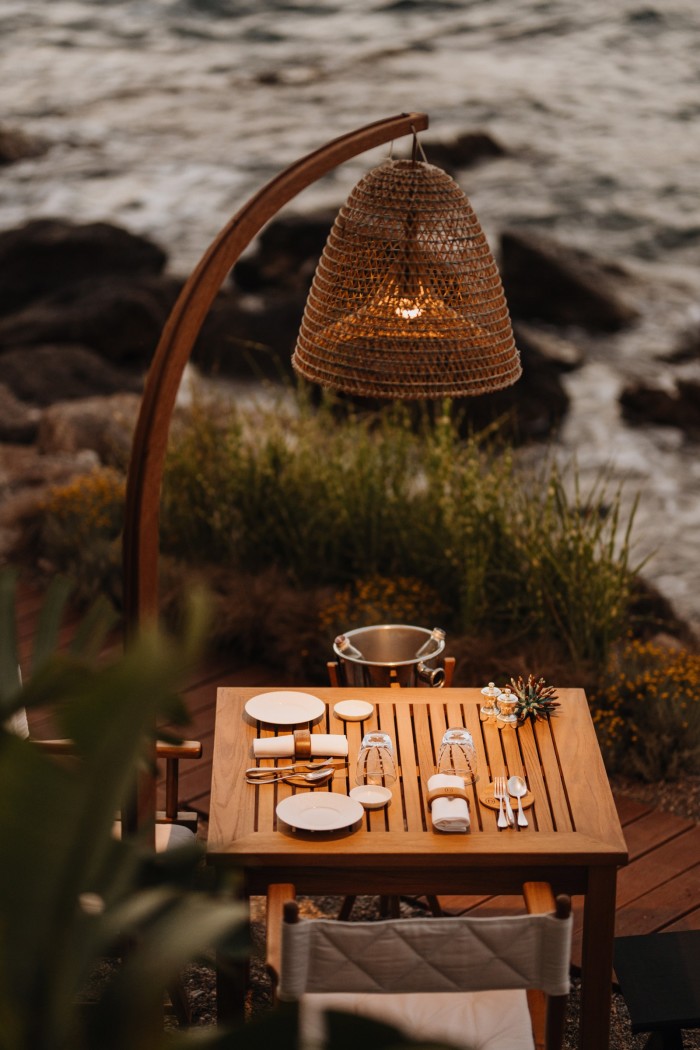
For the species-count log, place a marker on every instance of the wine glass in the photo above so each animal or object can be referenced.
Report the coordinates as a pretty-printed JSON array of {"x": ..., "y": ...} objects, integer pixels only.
[
  {"x": 375, "y": 760},
  {"x": 457, "y": 755}
]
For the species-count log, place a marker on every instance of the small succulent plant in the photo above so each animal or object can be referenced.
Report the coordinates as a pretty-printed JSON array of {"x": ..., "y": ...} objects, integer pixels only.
[{"x": 536, "y": 699}]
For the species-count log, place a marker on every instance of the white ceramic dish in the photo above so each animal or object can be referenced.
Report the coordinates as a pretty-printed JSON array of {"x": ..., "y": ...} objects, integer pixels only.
[
  {"x": 353, "y": 710},
  {"x": 319, "y": 811},
  {"x": 371, "y": 796},
  {"x": 285, "y": 707}
]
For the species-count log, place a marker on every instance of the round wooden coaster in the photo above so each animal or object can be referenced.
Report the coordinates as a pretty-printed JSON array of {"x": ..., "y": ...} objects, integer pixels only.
[{"x": 486, "y": 797}]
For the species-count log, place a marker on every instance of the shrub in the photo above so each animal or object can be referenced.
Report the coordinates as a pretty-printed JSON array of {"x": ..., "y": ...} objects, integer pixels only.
[
  {"x": 79, "y": 530},
  {"x": 379, "y": 599},
  {"x": 328, "y": 502},
  {"x": 647, "y": 711},
  {"x": 336, "y": 501}
]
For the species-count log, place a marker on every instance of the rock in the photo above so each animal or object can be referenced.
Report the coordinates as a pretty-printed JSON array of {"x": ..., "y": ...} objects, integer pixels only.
[
  {"x": 250, "y": 337},
  {"x": 18, "y": 421},
  {"x": 45, "y": 255},
  {"x": 287, "y": 252},
  {"x": 104, "y": 425},
  {"x": 545, "y": 280},
  {"x": 530, "y": 410},
  {"x": 42, "y": 375},
  {"x": 688, "y": 347},
  {"x": 15, "y": 145},
  {"x": 464, "y": 151},
  {"x": 563, "y": 355},
  {"x": 642, "y": 403},
  {"x": 119, "y": 318}
]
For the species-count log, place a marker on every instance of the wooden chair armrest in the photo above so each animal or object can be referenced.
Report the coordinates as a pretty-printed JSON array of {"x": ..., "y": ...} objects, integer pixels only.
[
  {"x": 55, "y": 747},
  {"x": 277, "y": 896},
  {"x": 182, "y": 749}
]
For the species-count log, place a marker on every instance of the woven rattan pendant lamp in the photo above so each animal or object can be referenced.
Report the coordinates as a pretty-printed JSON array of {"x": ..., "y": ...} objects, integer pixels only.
[{"x": 407, "y": 301}]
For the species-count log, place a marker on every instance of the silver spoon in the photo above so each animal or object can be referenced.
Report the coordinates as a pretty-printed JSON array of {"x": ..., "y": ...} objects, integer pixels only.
[
  {"x": 517, "y": 788},
  {"x": 316, "y": 776}
]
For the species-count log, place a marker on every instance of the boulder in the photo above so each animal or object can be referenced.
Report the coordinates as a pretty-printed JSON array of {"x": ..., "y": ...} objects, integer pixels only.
[
  {"x": 16, "y": 145},
  {"x": 251, "y": 337},
  {"x": 103, "y": 425},
  {"x": 530, "y": 410},
  {"x": 42, "y": 375},
  {"x": 545, "y": 280},
  {"x": 464, "y": 151},
  {"x": 687, "y": 349},
  {"x": 643, "y": 403},
  {"x": 547, "y": 346},
  {"x": 18, "y": 421},
  {"x": 286, "y": 255},
  {"x": 118, "y": 318},
  {"x": 46, "y": 255}
]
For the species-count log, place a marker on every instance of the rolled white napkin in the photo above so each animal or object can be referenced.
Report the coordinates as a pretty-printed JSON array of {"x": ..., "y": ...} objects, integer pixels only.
[
  {"x": 448, "y": 814},
  {"x": 330, "y": 745}
]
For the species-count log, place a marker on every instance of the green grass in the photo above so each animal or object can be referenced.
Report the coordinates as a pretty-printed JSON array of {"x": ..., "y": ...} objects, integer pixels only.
[{"x": 330, "y": 499}]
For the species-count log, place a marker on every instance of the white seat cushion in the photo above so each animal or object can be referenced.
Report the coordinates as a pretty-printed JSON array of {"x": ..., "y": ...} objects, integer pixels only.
[
  {"x": 498, "y": 1020},
  {"x": 168, "y": 836}
]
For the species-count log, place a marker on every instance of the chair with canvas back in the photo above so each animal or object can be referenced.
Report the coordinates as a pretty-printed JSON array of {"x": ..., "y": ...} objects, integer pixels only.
[
  {"x": 174, "y": 826},
  {"x": 496, "y": 983}
]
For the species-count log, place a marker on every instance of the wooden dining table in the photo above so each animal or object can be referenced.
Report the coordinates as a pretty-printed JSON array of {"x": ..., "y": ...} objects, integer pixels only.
[{"x": 573, "y": 839}]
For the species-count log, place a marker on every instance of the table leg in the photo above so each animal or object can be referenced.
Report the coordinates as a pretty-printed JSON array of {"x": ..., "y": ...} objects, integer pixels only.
[{"x": 597, "y": 958}]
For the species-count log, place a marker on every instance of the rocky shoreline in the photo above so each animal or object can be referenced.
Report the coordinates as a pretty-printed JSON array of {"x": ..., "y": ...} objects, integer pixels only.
[{"x": 82, "y": 307}]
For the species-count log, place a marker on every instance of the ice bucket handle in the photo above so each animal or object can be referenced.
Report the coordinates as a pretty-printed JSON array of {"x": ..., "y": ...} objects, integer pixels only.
[{"x": 432, "y": 676}]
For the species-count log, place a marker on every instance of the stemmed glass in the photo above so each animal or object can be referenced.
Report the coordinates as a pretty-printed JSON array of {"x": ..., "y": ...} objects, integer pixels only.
[
  {"x": 375, "y": 760},
  {"x": 458, "y": 754}
]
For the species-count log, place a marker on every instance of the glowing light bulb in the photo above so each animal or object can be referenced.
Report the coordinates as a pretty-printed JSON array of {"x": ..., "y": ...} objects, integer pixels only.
[{"x": 407, "y": 308}]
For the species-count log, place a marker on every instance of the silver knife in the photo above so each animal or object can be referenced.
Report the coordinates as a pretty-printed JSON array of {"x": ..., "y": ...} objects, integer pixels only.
[{"x": 509, "y": 810}]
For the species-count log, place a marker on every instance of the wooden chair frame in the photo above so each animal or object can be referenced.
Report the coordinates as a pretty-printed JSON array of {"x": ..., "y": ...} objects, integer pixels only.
[{"x": 547, "y": 1013}]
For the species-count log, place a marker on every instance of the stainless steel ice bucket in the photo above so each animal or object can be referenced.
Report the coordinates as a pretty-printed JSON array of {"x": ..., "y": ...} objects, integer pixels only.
[{"x": 389, "y": 656}]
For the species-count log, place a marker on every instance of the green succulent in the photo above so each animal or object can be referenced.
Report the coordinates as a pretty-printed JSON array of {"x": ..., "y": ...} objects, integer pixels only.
[{"x": 536, "y": 699}]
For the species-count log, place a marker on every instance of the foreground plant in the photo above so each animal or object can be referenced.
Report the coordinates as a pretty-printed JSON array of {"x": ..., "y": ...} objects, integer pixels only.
[{"x": 69, "y": 891}]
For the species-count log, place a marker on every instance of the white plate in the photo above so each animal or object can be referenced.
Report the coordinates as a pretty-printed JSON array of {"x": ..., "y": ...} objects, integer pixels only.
[
  {"x": 353, "y": 710},
  {"x": 371, "y": 796},
  {"x": 319, "y": 811},
  {"x": 285, "y": 707}
]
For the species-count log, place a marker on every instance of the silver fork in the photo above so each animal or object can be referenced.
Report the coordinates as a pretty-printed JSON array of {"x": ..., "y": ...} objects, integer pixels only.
[{"x": 499, "y": 792}]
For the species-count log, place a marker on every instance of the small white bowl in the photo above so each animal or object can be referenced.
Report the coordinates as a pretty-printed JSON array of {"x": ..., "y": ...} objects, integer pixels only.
[
  {"x": 353, "y": 710},
  {"x": 372, "y": 796}
]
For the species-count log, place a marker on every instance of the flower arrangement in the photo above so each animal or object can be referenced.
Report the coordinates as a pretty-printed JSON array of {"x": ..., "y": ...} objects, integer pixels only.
[{"x": 536, "y": 699}]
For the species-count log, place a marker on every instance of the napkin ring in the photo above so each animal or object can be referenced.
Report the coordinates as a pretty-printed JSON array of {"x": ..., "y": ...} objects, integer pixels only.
[
  {"x": 447, "y": 792},
  {"x": 302, "y": 743}
]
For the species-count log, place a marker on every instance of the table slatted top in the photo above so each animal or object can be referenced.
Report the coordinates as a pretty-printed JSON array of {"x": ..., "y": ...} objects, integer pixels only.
[{"x": 573, "y": 820}]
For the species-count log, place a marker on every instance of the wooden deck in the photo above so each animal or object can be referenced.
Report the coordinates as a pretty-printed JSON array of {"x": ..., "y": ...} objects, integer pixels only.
[{"x": 658, "y": 891}]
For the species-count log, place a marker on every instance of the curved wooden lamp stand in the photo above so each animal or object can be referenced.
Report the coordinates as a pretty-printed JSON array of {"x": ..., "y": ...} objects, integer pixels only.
[{"x": 141, "y": 540}]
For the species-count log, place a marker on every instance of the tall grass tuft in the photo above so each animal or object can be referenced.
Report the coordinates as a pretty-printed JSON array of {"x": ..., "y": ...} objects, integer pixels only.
[{"x": 333, "y": 499}]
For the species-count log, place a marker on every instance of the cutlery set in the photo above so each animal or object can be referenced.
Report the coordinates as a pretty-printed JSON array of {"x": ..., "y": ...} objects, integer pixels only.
[
  {"x": 311, "y": 773},
  {"x": 502, "y": 791}
]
